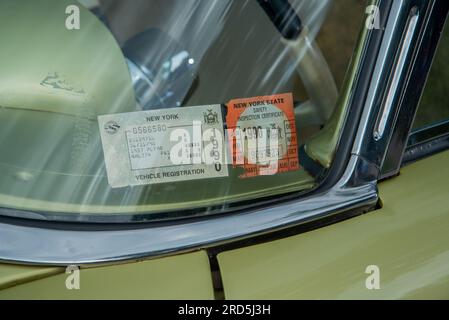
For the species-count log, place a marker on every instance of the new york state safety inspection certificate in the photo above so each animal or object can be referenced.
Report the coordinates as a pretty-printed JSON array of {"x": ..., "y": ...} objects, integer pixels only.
[{"x": 166, "y": 145}]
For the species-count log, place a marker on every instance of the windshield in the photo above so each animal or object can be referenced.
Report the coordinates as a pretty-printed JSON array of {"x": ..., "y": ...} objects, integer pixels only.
[{"x": 118, "y": 110}]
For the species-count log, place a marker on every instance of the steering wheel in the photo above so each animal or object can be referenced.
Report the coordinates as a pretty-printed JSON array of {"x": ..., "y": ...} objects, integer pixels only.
[{"x": 310, "y": 62}]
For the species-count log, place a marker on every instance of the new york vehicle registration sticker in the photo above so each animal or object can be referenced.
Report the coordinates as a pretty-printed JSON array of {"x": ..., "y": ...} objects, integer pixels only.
[{"x": 166, "y": 145}]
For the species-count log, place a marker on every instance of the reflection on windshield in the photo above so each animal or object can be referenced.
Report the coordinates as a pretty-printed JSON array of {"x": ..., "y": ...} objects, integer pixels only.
[{"x": 146, "y": 56}]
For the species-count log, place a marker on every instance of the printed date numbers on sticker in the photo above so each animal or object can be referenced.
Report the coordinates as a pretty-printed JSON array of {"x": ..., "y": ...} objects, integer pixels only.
[
  {"x": 262, "y": 135},
  {"x": 165, "y": 145}
]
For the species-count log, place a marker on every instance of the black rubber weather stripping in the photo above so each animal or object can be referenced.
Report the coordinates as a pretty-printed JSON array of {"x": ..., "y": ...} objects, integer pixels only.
[{"x": 425, "y": 149}]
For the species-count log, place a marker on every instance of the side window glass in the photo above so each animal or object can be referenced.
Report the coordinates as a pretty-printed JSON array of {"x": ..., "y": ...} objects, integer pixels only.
[{"x": 433, "y": 110}]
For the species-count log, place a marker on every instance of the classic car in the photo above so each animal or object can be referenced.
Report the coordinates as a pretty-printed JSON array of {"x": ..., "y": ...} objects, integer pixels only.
[{"x": 219, "y": 149}]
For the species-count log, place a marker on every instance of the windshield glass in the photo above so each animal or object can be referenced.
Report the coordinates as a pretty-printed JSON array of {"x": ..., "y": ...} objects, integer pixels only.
[{"x": 118, "y": 110}]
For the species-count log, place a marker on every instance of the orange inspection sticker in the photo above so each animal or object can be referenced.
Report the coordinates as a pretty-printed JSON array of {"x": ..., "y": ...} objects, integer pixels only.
[{"x": 261, "y": 134}]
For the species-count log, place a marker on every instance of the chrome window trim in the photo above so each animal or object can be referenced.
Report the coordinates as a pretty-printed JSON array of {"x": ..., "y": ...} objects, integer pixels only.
[
  {"x": 378, "y": 82},
  {"x": 397, "y": 74},
  {"x": 412, "y": 88},
  {"x": 32, "y": 244}
]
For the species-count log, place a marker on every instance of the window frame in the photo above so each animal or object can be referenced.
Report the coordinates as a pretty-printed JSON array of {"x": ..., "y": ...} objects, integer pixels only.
[
  {"x": 348, "y": 189},
  {"x": 402, "y": 149}
]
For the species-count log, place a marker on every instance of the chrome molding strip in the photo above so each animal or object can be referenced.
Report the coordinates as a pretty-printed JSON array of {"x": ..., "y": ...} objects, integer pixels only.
[
  {"x": 30, "y": 245},
  {"x": 377, "y": 82},
  {"x": 419, "y": 64},
  {"x": 397, "y": 74}
]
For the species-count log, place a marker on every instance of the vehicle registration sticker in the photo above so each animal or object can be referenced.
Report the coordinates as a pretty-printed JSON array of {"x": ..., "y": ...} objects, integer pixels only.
[{"x": 166, "y": 145}]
